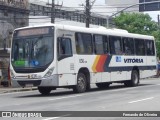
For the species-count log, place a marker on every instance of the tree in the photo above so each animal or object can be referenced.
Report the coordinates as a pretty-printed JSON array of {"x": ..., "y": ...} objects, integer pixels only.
[
  {"x": 156, "y": 34},
  {"x": 139, "y": 23}
]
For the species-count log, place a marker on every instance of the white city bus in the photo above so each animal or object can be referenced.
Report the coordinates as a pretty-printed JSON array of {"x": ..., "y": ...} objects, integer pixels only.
[{"x": 57, "y": 56}]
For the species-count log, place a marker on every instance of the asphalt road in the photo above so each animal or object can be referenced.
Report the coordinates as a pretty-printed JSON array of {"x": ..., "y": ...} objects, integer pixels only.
[{"x": 145, "y": 97}]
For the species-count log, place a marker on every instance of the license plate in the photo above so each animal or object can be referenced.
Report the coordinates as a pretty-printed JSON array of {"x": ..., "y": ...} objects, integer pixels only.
[{"x": 29, "y": 85}]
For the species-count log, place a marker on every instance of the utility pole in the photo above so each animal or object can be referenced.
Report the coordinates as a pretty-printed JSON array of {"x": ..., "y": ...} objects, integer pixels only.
[
  {"x": 158, "y": 19},
  {"x": 87, "y": 13},
  {"x": 53, "y": 12},
  {"x": 88, "y": 7}
]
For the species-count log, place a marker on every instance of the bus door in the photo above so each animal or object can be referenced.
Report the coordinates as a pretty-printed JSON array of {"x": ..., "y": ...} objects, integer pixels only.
[{"x": 66, "y": 66}]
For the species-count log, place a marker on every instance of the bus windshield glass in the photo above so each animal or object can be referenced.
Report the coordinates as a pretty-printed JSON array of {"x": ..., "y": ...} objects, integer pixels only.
[{"x": 31, "y": 50}]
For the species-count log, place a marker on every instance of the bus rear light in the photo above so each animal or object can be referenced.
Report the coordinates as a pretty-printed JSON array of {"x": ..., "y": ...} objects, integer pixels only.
[{"x": 49, "y": 73}]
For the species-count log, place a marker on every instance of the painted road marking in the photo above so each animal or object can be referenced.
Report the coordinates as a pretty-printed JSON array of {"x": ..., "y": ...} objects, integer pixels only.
[
  {"x": 141, "y": 100},
  {"x": 17, "y": 104},
  {"x": 84, "y": 94},
  {"x": 52, "y": 118},
  {"x": 67, "y": 97}
]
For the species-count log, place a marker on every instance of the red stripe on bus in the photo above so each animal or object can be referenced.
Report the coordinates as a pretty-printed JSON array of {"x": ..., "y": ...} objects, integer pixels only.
[{"x": 100, "y": 64}]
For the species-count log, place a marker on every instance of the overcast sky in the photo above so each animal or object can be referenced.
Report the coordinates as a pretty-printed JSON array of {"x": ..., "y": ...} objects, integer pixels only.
[{"x": 154, "y": 15}]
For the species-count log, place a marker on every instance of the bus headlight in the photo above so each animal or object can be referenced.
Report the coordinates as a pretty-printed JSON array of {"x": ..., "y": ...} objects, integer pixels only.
[
  {"x": 49, "y": 73},
  {"x": 34, "y": 76}
]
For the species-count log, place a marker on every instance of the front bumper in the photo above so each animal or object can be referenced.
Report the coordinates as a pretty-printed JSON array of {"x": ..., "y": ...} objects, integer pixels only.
[{"x": 49, "y": 81}]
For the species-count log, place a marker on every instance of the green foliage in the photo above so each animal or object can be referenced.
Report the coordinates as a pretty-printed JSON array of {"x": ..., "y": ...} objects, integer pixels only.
[
  {"x": 139, "y": 23},
  {"x": 156, "y": 34}
]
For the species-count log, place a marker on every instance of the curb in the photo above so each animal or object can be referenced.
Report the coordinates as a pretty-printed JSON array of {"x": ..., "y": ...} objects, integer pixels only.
[
  {"x": 152, "y": 78},
  {"x": 10, "y": 90}
]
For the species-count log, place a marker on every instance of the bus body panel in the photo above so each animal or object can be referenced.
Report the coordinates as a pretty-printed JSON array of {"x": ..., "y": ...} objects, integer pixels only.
[
  {"x": 66, "y": 72},
  {"x": 66, "y": 66},
  {"x": 106, "y": 77},
  {"x": 87, "y": 61}
]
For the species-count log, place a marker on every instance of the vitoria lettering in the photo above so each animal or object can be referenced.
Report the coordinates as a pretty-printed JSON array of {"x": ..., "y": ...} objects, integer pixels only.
[{"x": 133, "y": 60}]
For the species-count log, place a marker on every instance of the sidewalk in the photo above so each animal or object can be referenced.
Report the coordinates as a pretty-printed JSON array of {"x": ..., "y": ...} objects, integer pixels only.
[
  {"x": 10, "y": 89},
  {"x": 151, "y": 78}
]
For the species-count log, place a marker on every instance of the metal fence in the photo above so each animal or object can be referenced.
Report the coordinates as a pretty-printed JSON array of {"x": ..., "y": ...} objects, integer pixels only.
[{"x": 72, "y": 15}]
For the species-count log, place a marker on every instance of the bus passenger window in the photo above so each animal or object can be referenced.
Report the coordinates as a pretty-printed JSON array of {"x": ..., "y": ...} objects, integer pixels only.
[
  {"x": 115, "y": 45},
  {"x": 139, "y": 46},
  {"x": 84, "y": 43},
  {"x": 106, "y": 45},
  {"x": 99, "y": 44},
  {"x": 150, "y": 47},
  {"x": 128, "y": 46}
]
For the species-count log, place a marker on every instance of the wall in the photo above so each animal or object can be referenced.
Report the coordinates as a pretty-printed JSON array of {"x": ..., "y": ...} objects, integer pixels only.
[{"x": 13, "y": 14}]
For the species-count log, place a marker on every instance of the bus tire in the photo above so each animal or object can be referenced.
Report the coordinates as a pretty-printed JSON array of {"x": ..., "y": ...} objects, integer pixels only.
[
  {"x": 44, "y": 90},
  {"x": 102, "y": 85},
  {"x": 134, "y": 79},
  {"x": 81, "y": 84}
]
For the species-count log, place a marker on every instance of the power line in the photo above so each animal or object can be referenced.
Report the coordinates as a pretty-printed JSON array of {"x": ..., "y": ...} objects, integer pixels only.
[
  {"x": 81, "y": 11},
  {"x": 25, "y": 18},
  {"x": 116, "y": 11},
  {"x": 115, "y": 5},
  {"x": 47, "y": 17},
  {"x": 98, "y": 7}
]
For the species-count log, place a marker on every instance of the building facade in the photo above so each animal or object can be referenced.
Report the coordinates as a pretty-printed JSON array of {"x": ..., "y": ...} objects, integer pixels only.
[
  {"x": 121, "y": 4},
  {"x": 13, "y": 14}
]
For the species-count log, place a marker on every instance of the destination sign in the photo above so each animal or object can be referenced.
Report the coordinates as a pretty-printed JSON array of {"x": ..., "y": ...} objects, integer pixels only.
[{"x": 34, "y": 31}]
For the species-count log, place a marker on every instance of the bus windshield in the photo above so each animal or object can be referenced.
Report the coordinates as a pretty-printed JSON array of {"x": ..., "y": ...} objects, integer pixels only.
[{"x": 33, "y": 51}]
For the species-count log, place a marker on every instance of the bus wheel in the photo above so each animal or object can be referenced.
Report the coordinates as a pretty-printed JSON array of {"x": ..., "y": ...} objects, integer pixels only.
[
  {"x": 134, "y": 79},
  {"x": 81, "y": 84},
  {"x": 44, "y": 90},
  {"x": 102, "y": 85}
]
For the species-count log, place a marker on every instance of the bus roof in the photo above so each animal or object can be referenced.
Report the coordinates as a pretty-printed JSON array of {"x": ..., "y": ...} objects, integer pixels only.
[{"x": 100, "y": 30}]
